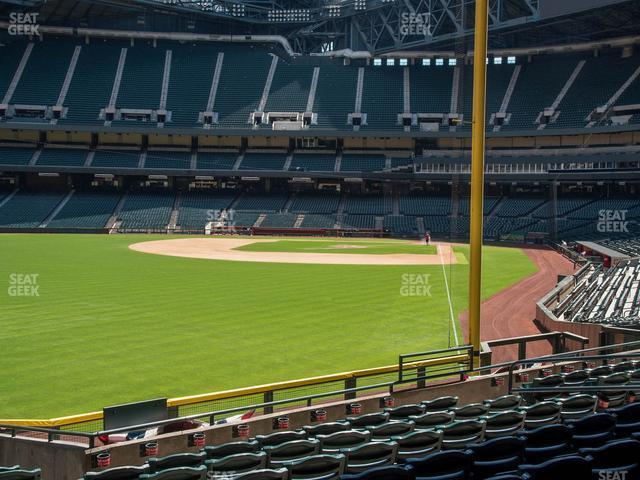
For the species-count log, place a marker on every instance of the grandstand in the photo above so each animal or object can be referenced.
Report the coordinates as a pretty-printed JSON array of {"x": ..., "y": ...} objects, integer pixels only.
[{"x": 191, "y": 145}]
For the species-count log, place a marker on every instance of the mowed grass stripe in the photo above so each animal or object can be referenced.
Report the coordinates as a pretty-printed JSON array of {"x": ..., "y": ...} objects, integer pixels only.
[{"x": 112, "y": 325}]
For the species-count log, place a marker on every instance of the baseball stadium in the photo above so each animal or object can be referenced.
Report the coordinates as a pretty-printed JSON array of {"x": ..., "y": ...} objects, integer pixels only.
[{"x": 318, "y": 239}]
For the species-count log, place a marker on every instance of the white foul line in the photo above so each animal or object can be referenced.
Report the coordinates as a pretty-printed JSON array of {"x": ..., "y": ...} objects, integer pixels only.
[{"x": 446, "y": 283}]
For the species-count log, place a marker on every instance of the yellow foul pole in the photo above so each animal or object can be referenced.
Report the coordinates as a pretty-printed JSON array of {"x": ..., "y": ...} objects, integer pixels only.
[{"x": 477, "y": 173}]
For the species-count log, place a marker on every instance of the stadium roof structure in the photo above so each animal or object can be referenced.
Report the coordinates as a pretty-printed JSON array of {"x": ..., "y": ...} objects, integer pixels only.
[{"x": 376, "y": 26}]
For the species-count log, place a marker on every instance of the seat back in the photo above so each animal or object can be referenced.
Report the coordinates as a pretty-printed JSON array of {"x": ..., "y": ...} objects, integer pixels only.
[
  {"x": 368, "y": 420},
  {"x": 440, "y": 404},
  {"x": 470, "y": 411},
  {"x": 577, "y": 406},
  {"x": 391, "y": 472},
  {"x": 116, "y": 473},
  {"x": 449, "y": 464},
  {"x": 571, "y": 466},
  {"x": 326, "y": 428},
  {"x": 178, "y": 473},
  {"x": 460, "y": 433},
  {"x": 593, "y": 424},
  {"x": 404, "y": 411},
  {"x": 503, "y": 423},
  {"x": 277, "y": 454},
  {"x": 280, "y": 437},
  {"x": 418, "y": 443},
  {"x": 543, "y": 413},
  {"x": 323, "y": 467},
  {"x": 616, "y": 454},
  {"x": 505, "y": 402},
  {"x": 431, "y": 420},
  {"x": 577, "y": 377},
  {"x": 231, "y": 448},
  {"x": 238, "y": 463},
  {"x": 547, "y": 435},
  {"x": 177, "y": 460},
  {"x": 390, "y": 429},
  {"x": 498, "y": 448},
  {"x": 347, "y": 439},
  {"x": 20, "y": 474},
  {"x": 370, "y": 455},
  {"x": 265, "y": 474}
]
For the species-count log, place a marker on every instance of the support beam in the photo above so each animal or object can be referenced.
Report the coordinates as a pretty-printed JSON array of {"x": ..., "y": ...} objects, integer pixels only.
[
  {"x": 477, "y": 174},
  {"x": 18, "y": 74}
]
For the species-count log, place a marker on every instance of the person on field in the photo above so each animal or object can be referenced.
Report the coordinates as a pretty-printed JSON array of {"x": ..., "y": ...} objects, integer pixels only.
[{"x": 427, "y": 238}]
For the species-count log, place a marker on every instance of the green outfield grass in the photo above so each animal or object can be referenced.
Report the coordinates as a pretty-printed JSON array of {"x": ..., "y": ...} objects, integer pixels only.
[
  {"x": 111, "y": 325},
  {"x": 339, "y": 246}
]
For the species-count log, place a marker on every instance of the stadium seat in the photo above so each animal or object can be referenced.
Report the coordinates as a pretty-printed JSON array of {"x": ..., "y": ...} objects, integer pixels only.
[
  {"x": 418, "y": 443},
  {"x": 347, "y": 439},
  {"x": 404, "y": 411},
  {"x": 21, "y": 474},
  {"x": 368, "y": 420},
  {"x": 326, "y": 428},
  {"x": 546, "y": 382},
  {"x": 451, "y": 465},
  {"x": 577, "y": 406},
  {"x": 601, "y": 371},
  {"x": 463, "y": 432},
  {"x": 543, "y": 413},
  {"x": 390, "y": 429},
  {"x": 571, "y": 466},
  {"x": 615, "y": 456},
  {"x": 179, "y": 473},
  {"x": 265, "y": 474},
  {"x": 369, "y": 455},
  {"x": 503, "y": 424},
  {"x": 504, "y": 403},
  {"x": 440, "y": 404},
  {"x": 627, "y": 419},
  {"x": 391, "y": 472},
  {"x": 231, "y": 448},
  {"x": 431, "y": 420},
  {"x": 577, "y": 377},
  {"x": 318, "y": 467},
  {"x": 497, "y": 456},
  {"x": 614, "y": 399},
  {"x": 470, "y": 411},
  {"x": 177, "y": 460},
  {"x": 546, "y": 442},
  {"x": 239, "y": 462},
  {"x": 592, "y": 431},
  {"x": 279, "y": 437},
  {"x": 293, "y": 450},
  {"x": 117, "y": 473}
]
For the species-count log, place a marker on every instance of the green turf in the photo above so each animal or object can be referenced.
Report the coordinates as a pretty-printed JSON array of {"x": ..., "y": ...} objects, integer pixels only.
[
  {"x": 111, "y": 325},
  {"x": 333, "y": 246}
]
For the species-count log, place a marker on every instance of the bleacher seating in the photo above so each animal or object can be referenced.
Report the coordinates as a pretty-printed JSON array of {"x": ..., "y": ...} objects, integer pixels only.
[
  {"x": 16, "y": 156},
  {"x": 216, "y": 160},
  {"x": 401, "y": 225},
  {"x": 197, "y": 207},
  {"x": 166, "y": 159},
  {"x": 368, "y": 204},
  {"x": 315, "y": 202},
  {"x": 335, "y": 96},
  {"x": 28, "y": 210},
  {"x": 279, "y": 220},
  {"x": 362, "y": 163},
  {"x": 313, "y": 162},
  {"x": 382, "y": 98},
  {"x": 318, "y": 221},
  {"x": 417, "y": 204},
  {"x": 116, "y": 159},
  {"x": 263, "y": 161},
  {"x": 86, "y": 210},
  {"x": 290, "y": 88},
  {"x": 359, "y": 222},
  {"x": 66, "y": 157},
  {"x": 146, "y": 210},
  {"x": 256, "y": 202}
]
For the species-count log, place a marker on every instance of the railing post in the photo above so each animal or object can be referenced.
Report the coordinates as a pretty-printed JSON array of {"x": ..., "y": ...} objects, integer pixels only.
[
  {"x": 268, "y": 398},
  {"x": 421, "y": 372},
  {"x": 349, "y": 383},
  {"x": 522, "y": 350}
]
